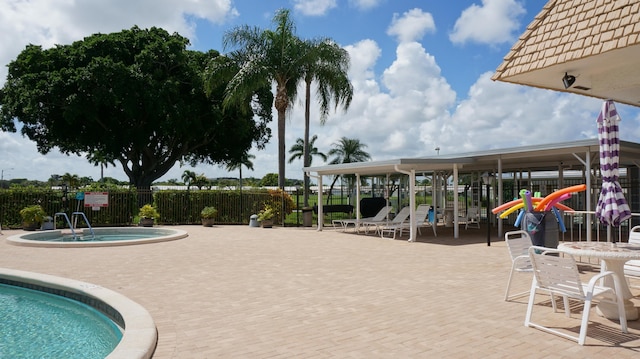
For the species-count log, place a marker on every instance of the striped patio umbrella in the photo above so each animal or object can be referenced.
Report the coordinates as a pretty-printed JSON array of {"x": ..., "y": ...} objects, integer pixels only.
[{"x": 612, "y": 208}]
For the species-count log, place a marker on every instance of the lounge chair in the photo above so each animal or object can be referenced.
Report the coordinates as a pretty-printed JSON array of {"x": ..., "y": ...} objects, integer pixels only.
[
  {"x": 344, "y": 223},
  {"x": 399, "y": 218},
  {"x": 422, "y": 212}
]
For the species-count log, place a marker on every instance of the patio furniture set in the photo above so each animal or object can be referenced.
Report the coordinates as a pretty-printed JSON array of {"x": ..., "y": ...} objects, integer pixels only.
[{"x": 555, "y": 272}]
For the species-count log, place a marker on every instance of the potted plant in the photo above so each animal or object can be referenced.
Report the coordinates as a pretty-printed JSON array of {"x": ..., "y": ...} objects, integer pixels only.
[
  {"x": 32, "y": 217},
  {"x": 208, "y": 215},
  {"x": 265, "y": 216},
  {"x": 147, "y": 215}
]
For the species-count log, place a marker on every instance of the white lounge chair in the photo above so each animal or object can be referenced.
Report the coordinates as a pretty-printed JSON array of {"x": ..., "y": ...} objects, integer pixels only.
[
  {"x": 399, "y": 218},
  {"x": 518, "y": 243},
  {"x": 344, "y": 223},
  {"x": 422, "y": 212},
  {"x": 556, "y": 273}
]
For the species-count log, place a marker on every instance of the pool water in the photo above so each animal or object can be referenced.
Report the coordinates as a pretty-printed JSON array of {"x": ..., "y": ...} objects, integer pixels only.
[
  {"x": 99, "y": 237},
  {"x": 36, "y": 324}
]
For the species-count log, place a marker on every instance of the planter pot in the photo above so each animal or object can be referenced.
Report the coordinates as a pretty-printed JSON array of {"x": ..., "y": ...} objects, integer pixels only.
[
  {"x": 30, "y": 226},
  {"x": 208, "y": 222},
  {"x": 267, "y": 223},
  {"x": 146, "y": 222}
]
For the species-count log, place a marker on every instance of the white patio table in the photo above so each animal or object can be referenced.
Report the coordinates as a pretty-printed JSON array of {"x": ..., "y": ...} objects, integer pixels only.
[{"x": 612, "y": 256}]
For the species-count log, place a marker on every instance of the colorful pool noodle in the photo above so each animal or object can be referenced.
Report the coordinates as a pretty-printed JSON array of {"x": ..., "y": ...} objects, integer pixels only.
[
  {"x": 521, "y": 205},
  {"x": 577, "y": 188},
  {"x": 563, "y": 228},
  {"x": 534, "y": 200},
  {"x": 554, "y": 201},
  {"x": 527, "y": 200},
  {"x": 519, "y": 219}
]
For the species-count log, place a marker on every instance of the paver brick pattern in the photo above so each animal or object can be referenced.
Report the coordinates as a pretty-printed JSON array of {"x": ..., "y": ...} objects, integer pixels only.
[{"x": 241, "y": 292}]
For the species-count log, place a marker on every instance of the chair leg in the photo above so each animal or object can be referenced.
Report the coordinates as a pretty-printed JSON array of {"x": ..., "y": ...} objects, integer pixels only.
[
  {"x": 585, "y": 321},
  {"x": 506, "y": 294},
  {"x": 532, "y": 297}
]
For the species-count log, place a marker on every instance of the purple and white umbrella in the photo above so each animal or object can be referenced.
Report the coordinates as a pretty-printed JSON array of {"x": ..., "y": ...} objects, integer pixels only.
[{"x": 612, "y": 208}]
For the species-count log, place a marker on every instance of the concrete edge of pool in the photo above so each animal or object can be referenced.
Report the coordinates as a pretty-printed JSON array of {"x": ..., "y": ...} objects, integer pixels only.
[
  {"x": 23, "y": 239},
  {"x": 139, "y": 337}
]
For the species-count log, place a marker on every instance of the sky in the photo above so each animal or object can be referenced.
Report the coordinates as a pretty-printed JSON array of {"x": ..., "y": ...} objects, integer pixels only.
[{"x": 421, "y": 73}]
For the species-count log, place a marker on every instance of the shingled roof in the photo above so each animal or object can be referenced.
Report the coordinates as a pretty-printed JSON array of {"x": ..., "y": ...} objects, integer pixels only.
[{"x": 594, "y": 40}]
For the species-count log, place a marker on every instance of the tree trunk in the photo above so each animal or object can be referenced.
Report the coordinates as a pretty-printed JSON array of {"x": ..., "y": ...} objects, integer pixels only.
[
  {"x": 281, "y": 106},
  {"x": 305, "y": 153}
]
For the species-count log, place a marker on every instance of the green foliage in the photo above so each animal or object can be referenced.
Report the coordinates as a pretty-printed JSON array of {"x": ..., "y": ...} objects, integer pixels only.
[
  {"x": 266, "y": 213},
  {"x": 209, "y": 212},
  {"x": 269, "y": 180},
  {"x": 148, "y": 211},
  {"x": 135, "y": 97},
  {"x": 33, "y": 214}
]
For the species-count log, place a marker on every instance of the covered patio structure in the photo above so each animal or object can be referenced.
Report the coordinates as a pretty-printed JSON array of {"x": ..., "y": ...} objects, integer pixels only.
[{"x": 578, "y": 155}]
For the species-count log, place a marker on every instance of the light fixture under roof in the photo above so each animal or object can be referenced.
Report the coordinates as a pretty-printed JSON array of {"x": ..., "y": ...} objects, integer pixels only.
[{"x": 568, "y": 80}]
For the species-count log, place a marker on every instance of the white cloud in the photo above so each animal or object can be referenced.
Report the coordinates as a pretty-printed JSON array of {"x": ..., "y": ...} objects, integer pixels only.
[
  {"x": 501, "y": 115},
  {"x": 365, "y": 4},
  {"x": 411, "y": 26},
  {"x": 314, "y": 7},
  {"x": 494, "y": 22}
]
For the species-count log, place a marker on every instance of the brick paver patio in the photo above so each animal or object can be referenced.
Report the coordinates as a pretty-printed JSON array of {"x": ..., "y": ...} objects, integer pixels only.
[{"x": 241, "y": 292}]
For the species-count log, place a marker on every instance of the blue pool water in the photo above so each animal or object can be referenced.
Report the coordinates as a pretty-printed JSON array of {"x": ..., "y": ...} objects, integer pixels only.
[{"x": 36, "y": 324}]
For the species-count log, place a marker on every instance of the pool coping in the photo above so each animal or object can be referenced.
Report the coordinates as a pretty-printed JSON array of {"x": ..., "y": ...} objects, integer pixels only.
[
  {"x": 140, "y": 335},
  {"x": 18, "y": 239}
]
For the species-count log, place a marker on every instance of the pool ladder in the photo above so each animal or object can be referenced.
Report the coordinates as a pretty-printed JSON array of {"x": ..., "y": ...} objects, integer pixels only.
[{"x": 73, "y": 216}]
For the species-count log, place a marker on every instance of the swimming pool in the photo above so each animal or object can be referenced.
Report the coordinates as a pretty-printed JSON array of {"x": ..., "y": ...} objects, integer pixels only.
[
  {"x": 101, "y": 237},
  {"x": 48, "y": 316}
]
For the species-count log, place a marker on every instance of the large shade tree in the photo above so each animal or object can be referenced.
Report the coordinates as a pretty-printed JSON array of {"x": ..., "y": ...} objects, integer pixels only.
[
  {"x": 264, "y": 57},
  {"x": 135, "y": 97}
]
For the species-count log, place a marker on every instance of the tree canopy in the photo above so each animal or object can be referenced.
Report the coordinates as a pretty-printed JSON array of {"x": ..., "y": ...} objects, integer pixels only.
[{"x": 135, "y": 97}]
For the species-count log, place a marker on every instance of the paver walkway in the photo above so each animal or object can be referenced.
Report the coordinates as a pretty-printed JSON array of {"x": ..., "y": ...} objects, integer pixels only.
[{"x": 241, "y": 292}]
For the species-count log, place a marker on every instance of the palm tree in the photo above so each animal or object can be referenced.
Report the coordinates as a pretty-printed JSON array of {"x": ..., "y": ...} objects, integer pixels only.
[
  {"x": 298, "y": 150},
  {"x": 263, "y": 57},
  {"x": 347, "y": 150},
  {"x": 245, "y": 161},
  {"x": 328, "y": 65},
  {"x": 188, "y": 177}
]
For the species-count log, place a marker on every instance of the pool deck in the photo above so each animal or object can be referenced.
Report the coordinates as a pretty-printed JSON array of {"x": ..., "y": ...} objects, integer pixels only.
[{"x": 241, "y": 292}]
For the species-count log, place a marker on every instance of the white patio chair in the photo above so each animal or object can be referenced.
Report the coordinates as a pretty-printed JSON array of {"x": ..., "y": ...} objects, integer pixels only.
[
  {"x": 518, "y": 243},
  {"x": 422, "y": 212},
  {"x": 344, "y": 223},
  {"x": 556, "y": 273},
  {"x": 632, "y": 267},
  {"x": 473, "y": 218},
  {"x": 399, "y": 218}
]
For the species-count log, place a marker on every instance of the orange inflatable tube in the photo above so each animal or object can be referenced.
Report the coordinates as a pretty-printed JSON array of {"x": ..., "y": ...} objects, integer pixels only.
[{"x": 578, "y": 188}]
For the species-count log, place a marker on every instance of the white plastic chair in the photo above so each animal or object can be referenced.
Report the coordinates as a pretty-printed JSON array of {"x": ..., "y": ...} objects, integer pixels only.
[
  {"x": 632, "y": 267},
  {"x": 344, "y": 223},
  {"x": 399, "y": 218},
  {"x": 473, "y": 218},
  {"x": 556, "y": 273},
  {"x": 422, "y": 212},
  {"x": 518, "y": 243}
]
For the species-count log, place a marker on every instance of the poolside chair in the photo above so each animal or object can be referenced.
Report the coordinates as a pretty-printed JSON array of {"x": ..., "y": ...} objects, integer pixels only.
[
  {"x": 344, "y": 223},
  {"x": 556, "y": 273},
  {"x": 632, "y": 267},
  {"x": 518, "y": 243},
  {"x": 399, "y": 218},
  {"x": 473, "y": 218},
  {"x": 422, "y": 212}
]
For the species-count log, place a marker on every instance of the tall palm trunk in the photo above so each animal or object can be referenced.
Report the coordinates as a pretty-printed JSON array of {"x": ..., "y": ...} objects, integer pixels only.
[
  {"x": 281, "y": 107},
  {"x": 305, "y": 152}
]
